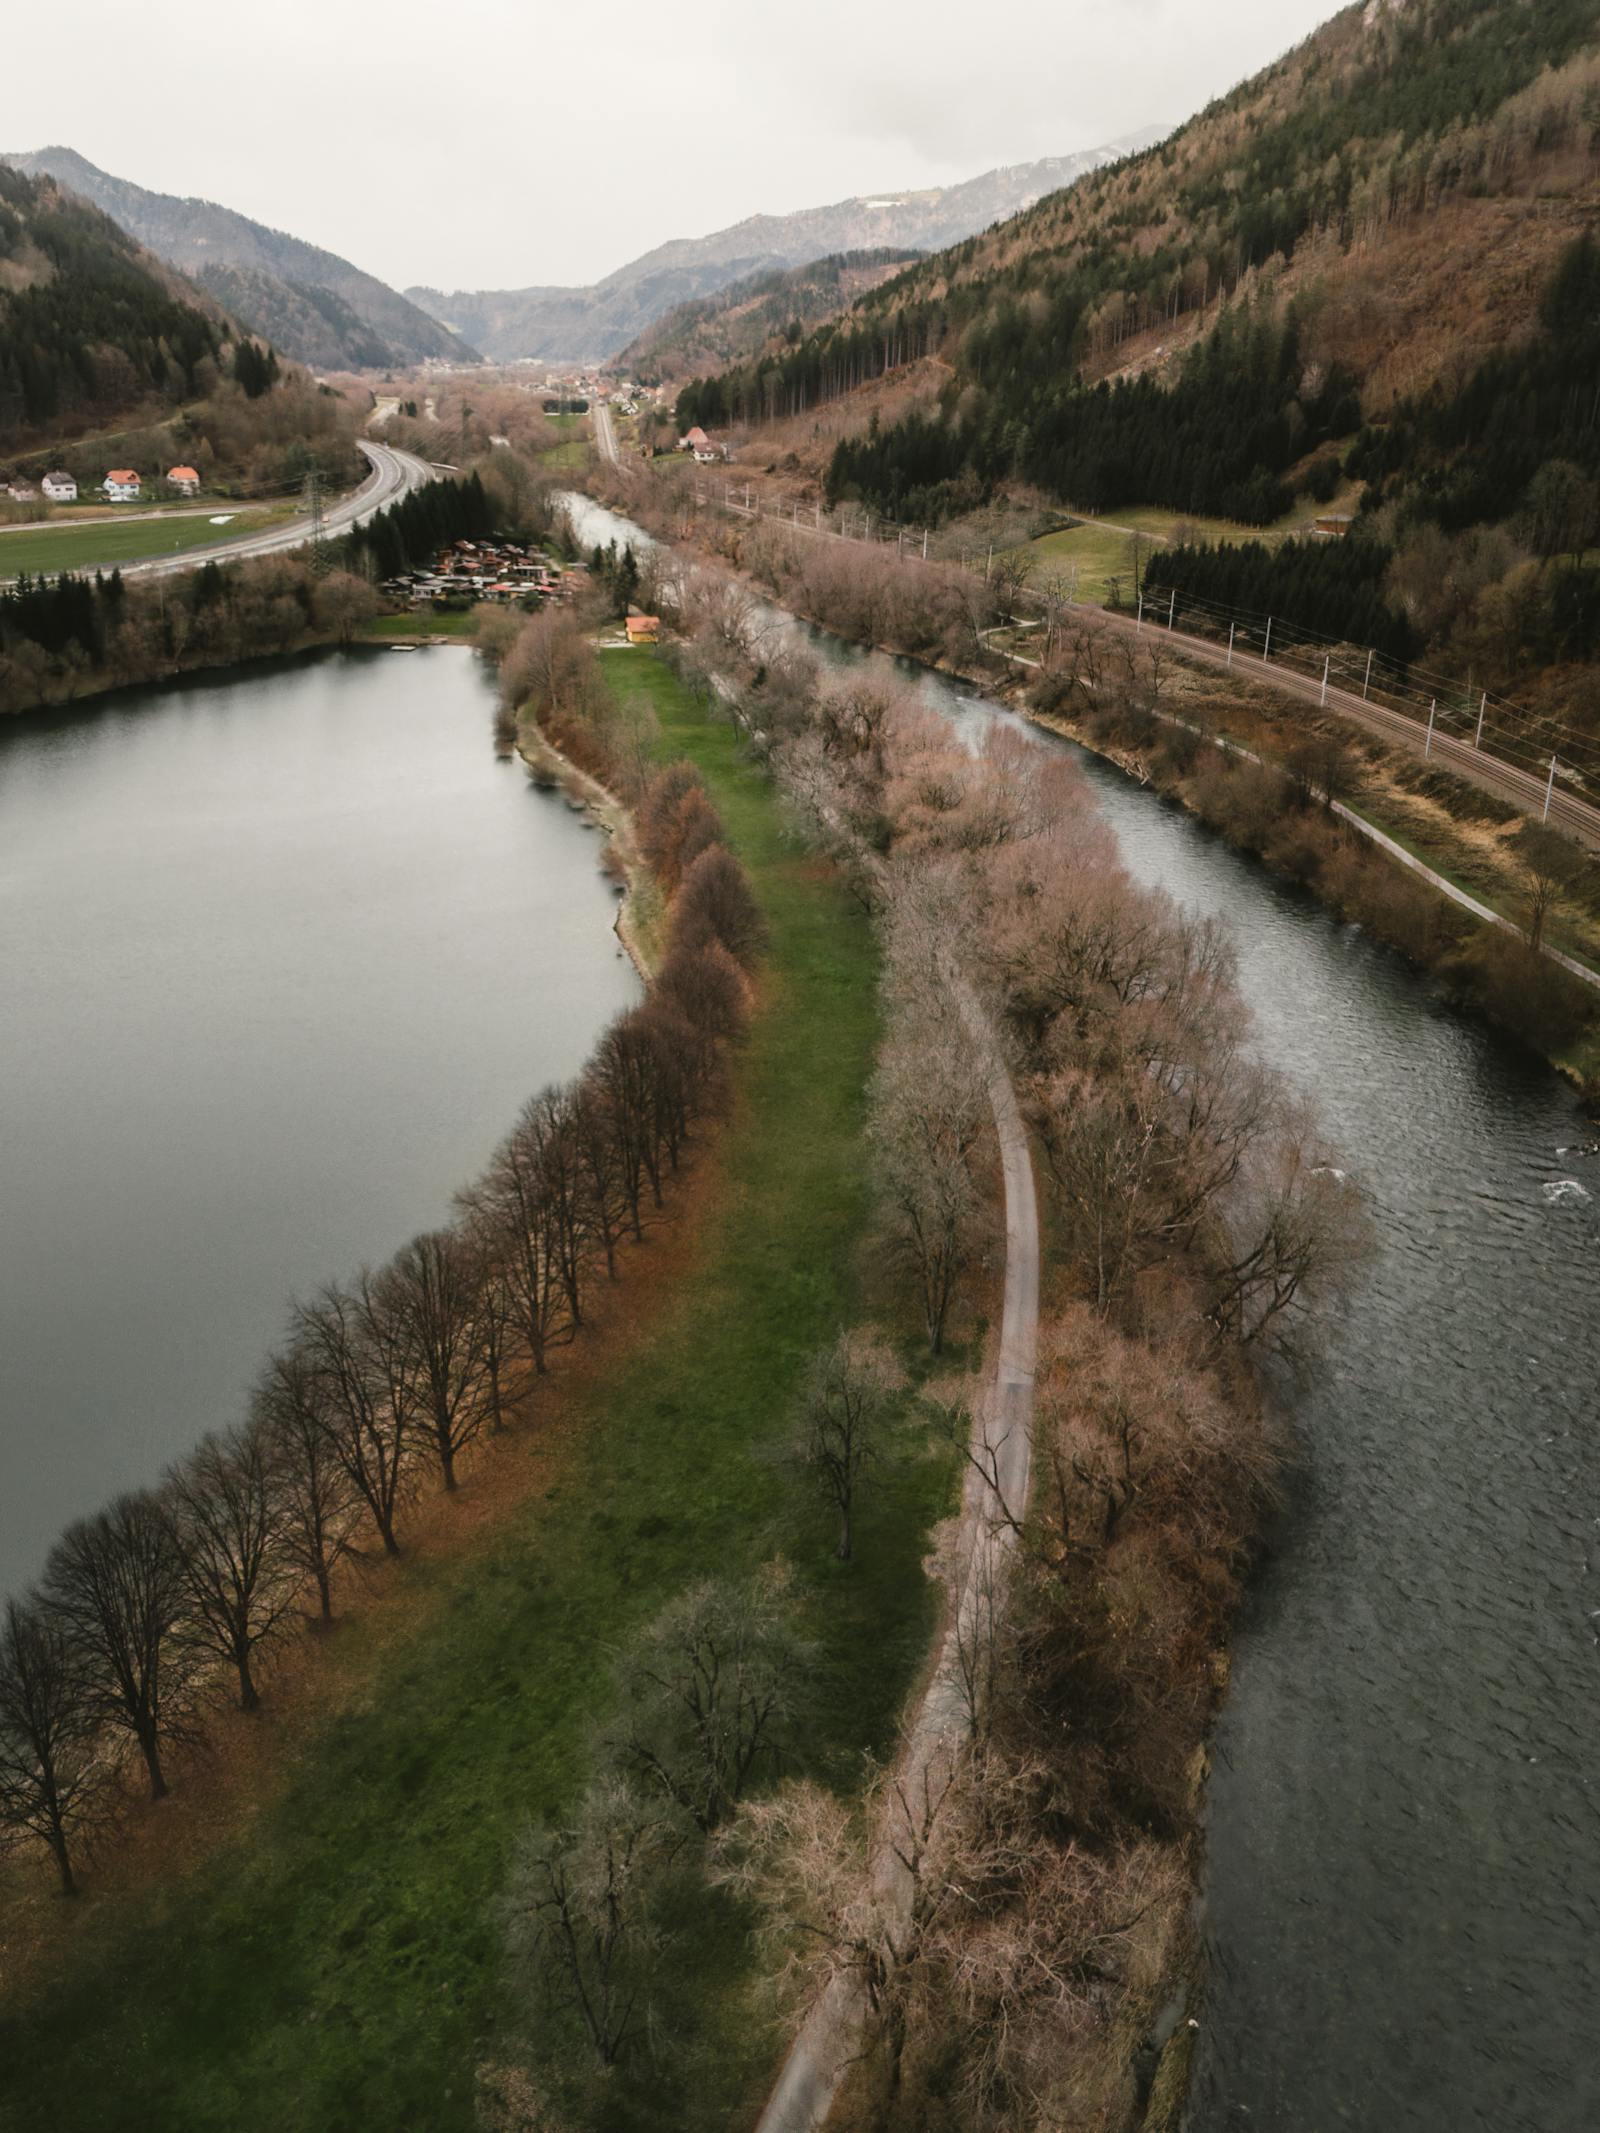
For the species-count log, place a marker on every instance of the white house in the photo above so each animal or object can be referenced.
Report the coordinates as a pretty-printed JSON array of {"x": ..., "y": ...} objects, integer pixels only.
[
  {"x": 121, "y": 486},
  {"x": 22, "y": 492},
  {"x": 60, "y": 488}
]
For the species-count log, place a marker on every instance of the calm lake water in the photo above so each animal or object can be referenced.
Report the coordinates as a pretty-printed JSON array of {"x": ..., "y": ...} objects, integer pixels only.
[
  {"x": 1403, "y": 1897},
  {"x": 280, "y": 958}
]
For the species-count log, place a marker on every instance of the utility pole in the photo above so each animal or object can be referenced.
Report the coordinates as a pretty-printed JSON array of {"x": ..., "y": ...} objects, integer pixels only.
[
  {"x": 1327, "y": 662},
  {"x": 1266, "y": 649},
  {"x": 321, "y": 560},
  {"x": 1549, "y": 791},
  {"x": 1232, "y": 626},
  {"x": 1140, "y": 623},
  {"x": 1172, "y": 611},
  {"x": 1428, "y": 744},
  {"x": 1367, "y": 684},
  {"x": 1477, "y": 738}
]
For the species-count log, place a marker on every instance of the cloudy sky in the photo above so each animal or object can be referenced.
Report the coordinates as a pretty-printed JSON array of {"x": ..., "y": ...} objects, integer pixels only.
[{"x": 507, "y": 142}]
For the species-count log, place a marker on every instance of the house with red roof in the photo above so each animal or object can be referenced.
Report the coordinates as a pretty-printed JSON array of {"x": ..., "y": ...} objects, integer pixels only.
[
  {"x": 121, "y": 486},
  {"x": 184, "y": 479}
]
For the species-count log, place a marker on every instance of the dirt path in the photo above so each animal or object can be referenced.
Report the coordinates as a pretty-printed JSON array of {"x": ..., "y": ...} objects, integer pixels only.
[{"x": 995, "y": 1497}]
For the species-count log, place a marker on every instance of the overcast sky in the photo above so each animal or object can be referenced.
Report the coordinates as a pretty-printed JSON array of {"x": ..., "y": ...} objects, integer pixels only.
[{"x": 507, "y": 142}]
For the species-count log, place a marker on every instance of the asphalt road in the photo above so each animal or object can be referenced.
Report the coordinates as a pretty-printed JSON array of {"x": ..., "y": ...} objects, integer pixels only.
[
  {"x": 605, "y": 436},
  {"x": 393, "y": 474}
]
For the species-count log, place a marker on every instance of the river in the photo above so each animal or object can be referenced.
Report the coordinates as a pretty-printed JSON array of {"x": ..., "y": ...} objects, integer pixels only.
[
  {"x": 1402, "y": 1905},
  {"x": 282, "y": 955}
]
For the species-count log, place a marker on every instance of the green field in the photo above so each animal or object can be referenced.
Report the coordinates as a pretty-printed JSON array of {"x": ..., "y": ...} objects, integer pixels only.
[
  {"x": 339, "y": 1965},
  {"x": 105, "y": 542},
  {"x": 1105, "y": 549}
]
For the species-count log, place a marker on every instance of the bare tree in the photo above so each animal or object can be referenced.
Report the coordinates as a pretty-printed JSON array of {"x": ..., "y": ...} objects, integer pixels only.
[
  {"x": 349, "y": 1345},
  {"x": 428, "y": 1296},
  {"x": 528, "y": 1215},
  {"x": 318, "y": 1502},
  {"x": 496, "y": 1324},
  {"x": 928, "y": 1113},
  {"x": 579, "y": 1914},
  {"x": 238, "y": 1577},
  {"x": 605, "y": 1199},
  {"x": 622, "y": 1073},
  {"x": 847, "y": 1403},
  {"x": 115, "y": 1582},
  {"x": 1550, "y": 867},
  {"x": 709, "y": 1689},
  {"x": 52, "y": 1776},
  {"x": 716, "y": 903},
  {"x": 708, "y": 989},
  {"x": 1298, "y": 1235}
]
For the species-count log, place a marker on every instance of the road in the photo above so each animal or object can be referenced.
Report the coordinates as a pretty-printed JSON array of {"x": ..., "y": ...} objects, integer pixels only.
[
  {"x": 393, "y": 474},
  {"x": 605, "y": 437},
  {"x": 994, "y": 1500}
]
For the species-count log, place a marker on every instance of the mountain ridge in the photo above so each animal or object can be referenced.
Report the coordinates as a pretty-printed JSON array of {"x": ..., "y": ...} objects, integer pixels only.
[
  {"x": 310, "y": 303},
  {"x": 592, "y": 323}
]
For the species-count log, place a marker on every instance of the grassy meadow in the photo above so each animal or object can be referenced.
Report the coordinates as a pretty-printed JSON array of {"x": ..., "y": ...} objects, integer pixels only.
[{"x": 101, "y": 544}]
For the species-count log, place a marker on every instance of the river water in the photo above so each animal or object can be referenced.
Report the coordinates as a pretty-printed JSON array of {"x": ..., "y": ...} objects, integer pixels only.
[
  {"x": 280, "y": 958},
  {"x": 1402, "y": 1909}
]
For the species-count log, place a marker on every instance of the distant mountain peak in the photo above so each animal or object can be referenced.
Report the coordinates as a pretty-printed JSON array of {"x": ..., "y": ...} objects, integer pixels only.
[{"x": 592, "y": 324}]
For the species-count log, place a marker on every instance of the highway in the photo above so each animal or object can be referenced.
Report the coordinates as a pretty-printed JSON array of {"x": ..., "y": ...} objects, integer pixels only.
[
  {"x": 605, "y": 436},
  {"x": 393, "y": 474}
]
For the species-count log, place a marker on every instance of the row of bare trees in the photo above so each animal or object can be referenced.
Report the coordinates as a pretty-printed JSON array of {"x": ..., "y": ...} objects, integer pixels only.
[
  {"x": 1195, "y": 1218},
  {"x": 146, "y": 1609}
]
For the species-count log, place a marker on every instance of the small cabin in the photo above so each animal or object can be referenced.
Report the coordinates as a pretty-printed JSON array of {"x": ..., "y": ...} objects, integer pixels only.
[
  {"x": 121, "y": 486},
  {"x": 644, "y": 629},
  {"x": 184, "y": 479}
]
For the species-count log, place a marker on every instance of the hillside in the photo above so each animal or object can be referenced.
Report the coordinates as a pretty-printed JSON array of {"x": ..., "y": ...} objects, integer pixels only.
[
  {"x": 91, "y": 329},
  {"x": 312, "y": 305},
  {"x": 1367, "y": 264},
  {"x": 738, "y": 322},
  {"x": 588, "y": 325}
]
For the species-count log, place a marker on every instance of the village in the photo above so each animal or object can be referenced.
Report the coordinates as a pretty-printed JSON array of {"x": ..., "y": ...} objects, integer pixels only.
[
  {"x": 122, "y": 485},
  {"x": 487, "y": 572}
]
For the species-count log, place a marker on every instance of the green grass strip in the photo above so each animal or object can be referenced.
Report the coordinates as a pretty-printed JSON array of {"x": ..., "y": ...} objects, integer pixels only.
[{"x": 103, "y": 543}]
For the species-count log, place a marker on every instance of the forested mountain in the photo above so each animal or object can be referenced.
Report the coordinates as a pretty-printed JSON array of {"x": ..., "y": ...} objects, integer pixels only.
[
  {"x": 738, "y": 322},
  {"x": 91, "y": 328},
  {"x": 588, "y": 325},
  {"x": 1389, "y": 196},
  {"x": 311, "y": 304},
  {"x": 1372, "y": 263}
]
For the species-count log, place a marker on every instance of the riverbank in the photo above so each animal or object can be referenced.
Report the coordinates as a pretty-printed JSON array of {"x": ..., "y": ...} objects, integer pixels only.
[
  {"x": 1555, "y": 1016},
  {"x": 337, "y": 1957}
]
